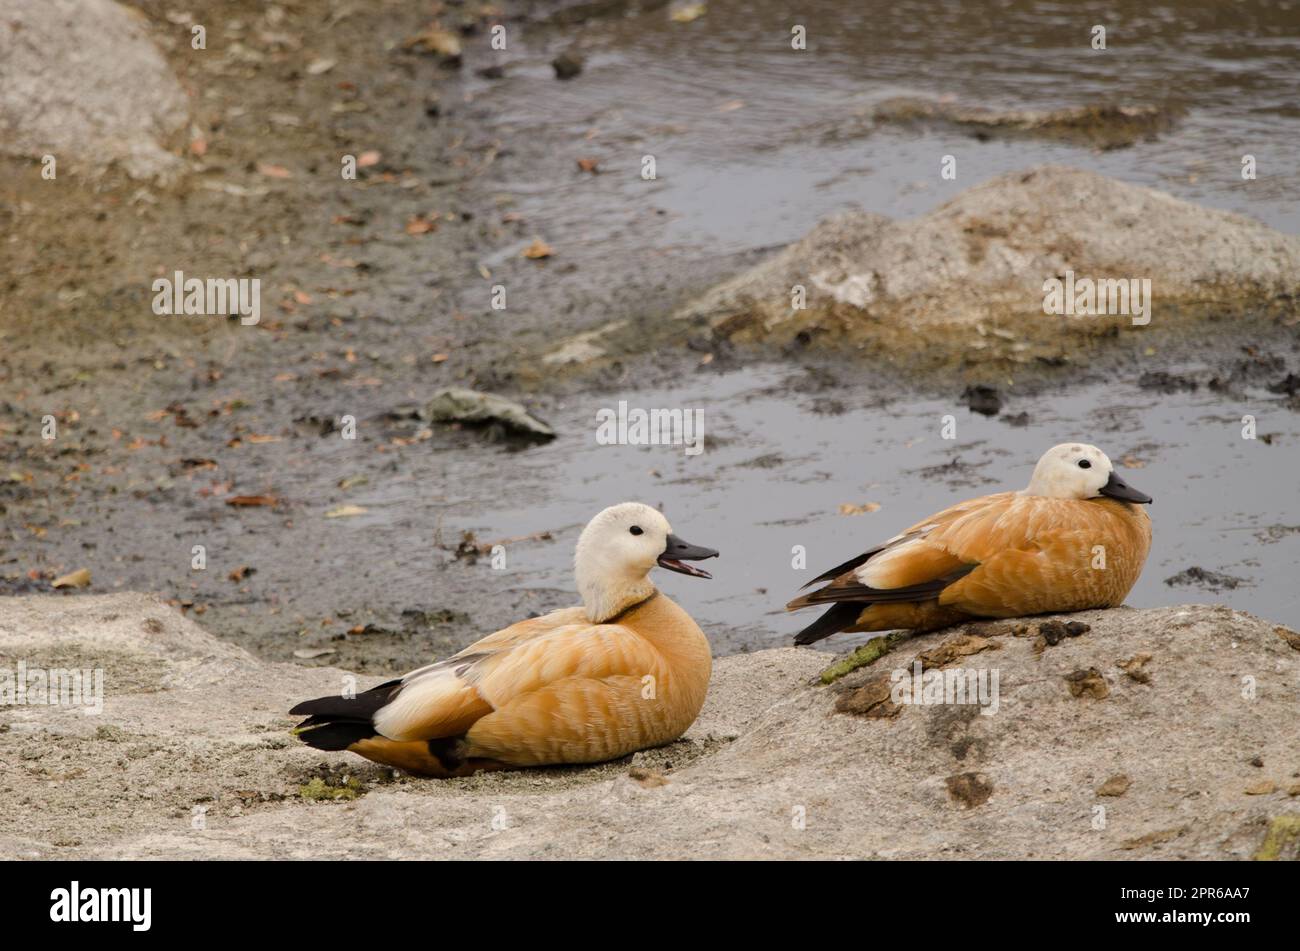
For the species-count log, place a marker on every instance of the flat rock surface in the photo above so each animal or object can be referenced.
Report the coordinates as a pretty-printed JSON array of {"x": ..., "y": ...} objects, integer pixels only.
[{"x": 1190, "y": 753}]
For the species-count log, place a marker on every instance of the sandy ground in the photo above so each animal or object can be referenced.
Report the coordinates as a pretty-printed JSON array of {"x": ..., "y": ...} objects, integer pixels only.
[{"x": 191, "y": 758}]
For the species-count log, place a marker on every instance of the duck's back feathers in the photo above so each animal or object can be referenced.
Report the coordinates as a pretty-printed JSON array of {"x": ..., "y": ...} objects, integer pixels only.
[
  {"x": 998, "y": 556},
  {"x": 450, "y": 697}
]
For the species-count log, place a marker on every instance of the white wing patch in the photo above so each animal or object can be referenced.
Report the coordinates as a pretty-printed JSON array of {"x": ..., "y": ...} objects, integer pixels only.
[{"x": 432, "y": 688}]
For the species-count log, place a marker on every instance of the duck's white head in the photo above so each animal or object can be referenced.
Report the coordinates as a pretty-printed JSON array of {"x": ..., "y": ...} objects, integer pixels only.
[
  {"x": 1075, "y": 470},
  {"x": 616, "y": 551}
]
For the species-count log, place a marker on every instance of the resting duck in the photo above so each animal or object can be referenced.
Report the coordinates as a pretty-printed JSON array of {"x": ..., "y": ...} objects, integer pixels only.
[
  {"x": 1074, "y": 539},
  {"x": 625, "y": 671}
]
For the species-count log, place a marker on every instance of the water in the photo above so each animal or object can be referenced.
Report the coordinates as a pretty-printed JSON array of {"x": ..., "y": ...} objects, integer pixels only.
[
  {"x": 738, "y": 122},
  {"x": 777, "y": 467}
]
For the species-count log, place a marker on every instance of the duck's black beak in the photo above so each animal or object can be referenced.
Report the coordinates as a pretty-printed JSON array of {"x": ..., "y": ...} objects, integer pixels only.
[
  {"x": 679, "y": 551},
  {"x": 1117, "y": 488}
]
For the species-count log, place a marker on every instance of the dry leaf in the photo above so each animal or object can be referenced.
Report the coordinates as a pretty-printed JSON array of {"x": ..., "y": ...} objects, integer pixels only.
[
  {"x": 247, "y": 501},
  {"x": 538, "y": 249},
  {"x": 419, "y": 224},
  {"x": 345, "y": 511},
  {"x": 434, "y": 39},
  {"x": 589, "y": 165},
  {"x": 687, "y": 12},
  {"x": 848, "y": 508},
  {"x": 77, "y": 579}
]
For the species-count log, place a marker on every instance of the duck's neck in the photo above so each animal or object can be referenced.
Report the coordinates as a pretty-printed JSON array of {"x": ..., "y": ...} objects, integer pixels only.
[{"x": 606, "y": 597}]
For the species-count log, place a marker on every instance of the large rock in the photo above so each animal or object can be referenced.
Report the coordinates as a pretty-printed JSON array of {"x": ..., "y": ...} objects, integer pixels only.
[
  {"x": 81, "y": 79},
  {"x": 966, "y": 281},
  {"x": 1190, "y": 753}
]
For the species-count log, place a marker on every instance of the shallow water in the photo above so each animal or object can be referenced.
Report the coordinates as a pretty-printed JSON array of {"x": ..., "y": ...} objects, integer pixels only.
[
  {"x": 748, "y": 134},
  {"x": 777, "y": 466},
  {"x": 754, "y": 144}
]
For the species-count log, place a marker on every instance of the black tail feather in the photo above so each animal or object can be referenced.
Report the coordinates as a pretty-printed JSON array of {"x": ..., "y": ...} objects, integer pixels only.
[
  {"x": 833, "y": 621},
  {"x": 334, "y": 735},
  {"x": 361, "y": 707},
  {"x": 336, "y": 722}
]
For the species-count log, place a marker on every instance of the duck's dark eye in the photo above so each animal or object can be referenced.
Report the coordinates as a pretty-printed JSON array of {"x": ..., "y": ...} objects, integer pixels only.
[
  {"x": 1085, "y": 464},
  {"x": 635, "y": 530}
]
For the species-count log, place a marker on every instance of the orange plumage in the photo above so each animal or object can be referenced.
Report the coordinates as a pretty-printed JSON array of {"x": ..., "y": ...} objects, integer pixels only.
[{"x": 1075, "y": 539}]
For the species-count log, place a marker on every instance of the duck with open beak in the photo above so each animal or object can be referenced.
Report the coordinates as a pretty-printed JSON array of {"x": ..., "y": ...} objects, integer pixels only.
[
  {"x": 625, "y": 670},
  {"x": 679, "y": 551}
]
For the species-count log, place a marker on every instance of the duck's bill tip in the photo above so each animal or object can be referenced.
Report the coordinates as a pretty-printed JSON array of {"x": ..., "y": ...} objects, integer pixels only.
[{"x": 683, "y": 568}]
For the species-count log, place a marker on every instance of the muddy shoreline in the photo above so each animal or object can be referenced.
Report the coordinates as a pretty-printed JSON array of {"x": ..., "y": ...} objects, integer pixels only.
[{"x": 376, "y": 292}]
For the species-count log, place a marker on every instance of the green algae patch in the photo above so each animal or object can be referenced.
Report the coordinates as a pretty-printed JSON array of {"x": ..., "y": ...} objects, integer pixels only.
[
  {"x": 865, "y": 655},
  {"x": 320, "y": 791},
  {"x": 1283, "y": 836}
]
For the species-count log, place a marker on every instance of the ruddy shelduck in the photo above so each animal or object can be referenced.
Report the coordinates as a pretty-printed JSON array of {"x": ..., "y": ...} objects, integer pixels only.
[
  {"x": 625, "y": 671},
  {"x": 1074, "y": 539}
]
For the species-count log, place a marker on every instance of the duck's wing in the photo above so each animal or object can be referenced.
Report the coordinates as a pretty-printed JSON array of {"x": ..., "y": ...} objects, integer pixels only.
[
  {"x": 916, "y": 564},
  {"x": 511, "y": 636},
  {"x": 446, "y": 699},
  {"x": 434, "y": 701},
  {"x": 1044, "y": 555},
  {"x": 1003, "y": 555}
]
